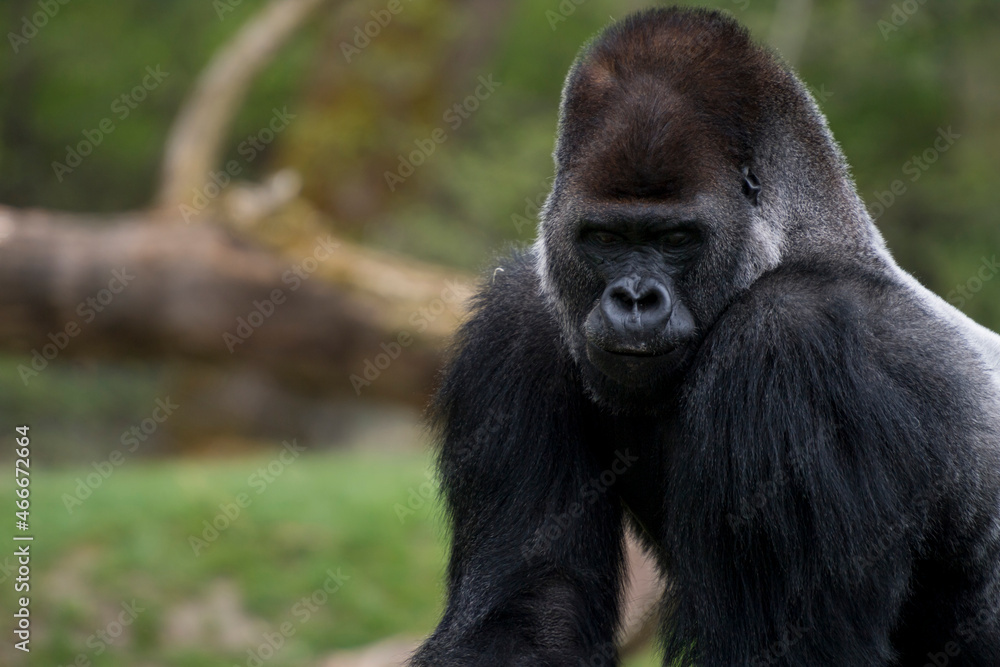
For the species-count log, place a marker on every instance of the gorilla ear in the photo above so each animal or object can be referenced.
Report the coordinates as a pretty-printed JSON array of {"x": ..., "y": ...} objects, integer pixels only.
[{"x": 751, "y": 186}]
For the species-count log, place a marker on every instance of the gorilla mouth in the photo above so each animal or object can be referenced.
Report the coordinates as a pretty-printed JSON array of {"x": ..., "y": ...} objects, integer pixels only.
[
  {"x": 648, "y": 354},
  {"x": 635, "y": 365}
]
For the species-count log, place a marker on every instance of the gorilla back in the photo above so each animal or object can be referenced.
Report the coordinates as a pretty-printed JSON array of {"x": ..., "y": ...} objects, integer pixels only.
[{"x": 709, "y": 341}]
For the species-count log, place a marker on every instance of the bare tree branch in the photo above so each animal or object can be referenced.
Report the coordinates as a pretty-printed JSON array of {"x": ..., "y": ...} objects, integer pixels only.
[{"x": 194, "y": 143}]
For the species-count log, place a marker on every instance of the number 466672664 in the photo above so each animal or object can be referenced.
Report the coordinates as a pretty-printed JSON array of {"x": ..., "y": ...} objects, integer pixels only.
[{"x": 21, "y": 465}]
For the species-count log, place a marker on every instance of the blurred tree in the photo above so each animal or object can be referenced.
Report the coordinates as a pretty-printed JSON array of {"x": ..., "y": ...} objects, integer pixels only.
[
  {"x": 382, "y": 81},
  {"x": 203, "y": 292}
]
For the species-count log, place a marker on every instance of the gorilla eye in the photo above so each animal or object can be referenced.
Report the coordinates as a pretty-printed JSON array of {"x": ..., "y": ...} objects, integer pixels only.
[
  {"x": 603, "y": 238},
  {"x": 677, "y": 238}
]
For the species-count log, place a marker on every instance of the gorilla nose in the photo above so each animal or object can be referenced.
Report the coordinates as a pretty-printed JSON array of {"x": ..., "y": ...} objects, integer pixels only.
[{"x": 635, "y": 306}]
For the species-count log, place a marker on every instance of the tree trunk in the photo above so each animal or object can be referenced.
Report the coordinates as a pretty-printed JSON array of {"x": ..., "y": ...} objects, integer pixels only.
[{"x": 76, "y": 287}]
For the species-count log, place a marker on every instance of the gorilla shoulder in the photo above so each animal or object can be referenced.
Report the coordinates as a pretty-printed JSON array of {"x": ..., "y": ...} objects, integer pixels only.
[
  {"x": 510, "y": 328},
  {"x": 830, "y": 323},
  {"x": 509, "y": 313}
]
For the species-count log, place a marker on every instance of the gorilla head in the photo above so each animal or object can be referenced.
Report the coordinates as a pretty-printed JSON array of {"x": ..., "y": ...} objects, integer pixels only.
[{"x": 675, "y": 184}]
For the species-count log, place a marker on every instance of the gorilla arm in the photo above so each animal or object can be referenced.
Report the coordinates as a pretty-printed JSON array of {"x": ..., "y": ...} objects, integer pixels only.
[
  {"x": 820, "y": 452},
  {"x": 536, "y": 562}
]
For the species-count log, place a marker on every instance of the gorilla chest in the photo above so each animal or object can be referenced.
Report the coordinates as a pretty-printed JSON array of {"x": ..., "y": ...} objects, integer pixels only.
[{"x": 643, "y": 442}]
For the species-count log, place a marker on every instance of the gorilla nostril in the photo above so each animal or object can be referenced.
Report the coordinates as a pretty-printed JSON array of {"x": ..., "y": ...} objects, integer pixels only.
[
  {"x": 622, "y": 298},
  {"x": 648, "y": 301}
]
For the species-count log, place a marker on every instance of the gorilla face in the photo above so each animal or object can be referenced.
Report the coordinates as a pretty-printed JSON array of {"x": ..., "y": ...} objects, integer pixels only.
[
  {"x": 639, "y": 328},
  {"x": 638, "y": 285},
  {"x": 639, "y": 280}
]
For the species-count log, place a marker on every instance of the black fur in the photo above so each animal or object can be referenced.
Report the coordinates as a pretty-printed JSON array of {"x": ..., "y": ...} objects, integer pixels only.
[
  {"x": 810, "y": 445},
  {"x": 518, "y": 452}
]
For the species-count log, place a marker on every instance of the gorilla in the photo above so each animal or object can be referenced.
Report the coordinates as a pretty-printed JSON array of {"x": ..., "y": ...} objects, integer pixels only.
[{"x": 709, "y": 344}]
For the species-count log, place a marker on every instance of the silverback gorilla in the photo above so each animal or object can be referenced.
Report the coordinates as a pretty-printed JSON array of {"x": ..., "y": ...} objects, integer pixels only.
[{"x": 710, "y": 342}]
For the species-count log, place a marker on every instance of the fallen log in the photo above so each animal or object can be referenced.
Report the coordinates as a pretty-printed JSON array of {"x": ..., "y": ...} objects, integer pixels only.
[{"x": 319, "y": 314}]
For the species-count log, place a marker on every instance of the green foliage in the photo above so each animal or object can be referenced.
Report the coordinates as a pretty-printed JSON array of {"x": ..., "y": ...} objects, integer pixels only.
[{"x": 131, "y": 541}]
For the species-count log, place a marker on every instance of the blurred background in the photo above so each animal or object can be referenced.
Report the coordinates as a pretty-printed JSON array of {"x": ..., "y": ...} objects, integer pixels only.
[{"x": 235, "y": 237}]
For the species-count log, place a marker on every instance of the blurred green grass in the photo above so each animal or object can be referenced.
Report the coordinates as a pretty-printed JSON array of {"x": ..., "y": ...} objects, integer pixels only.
[{"x": 129, "y": 541}]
